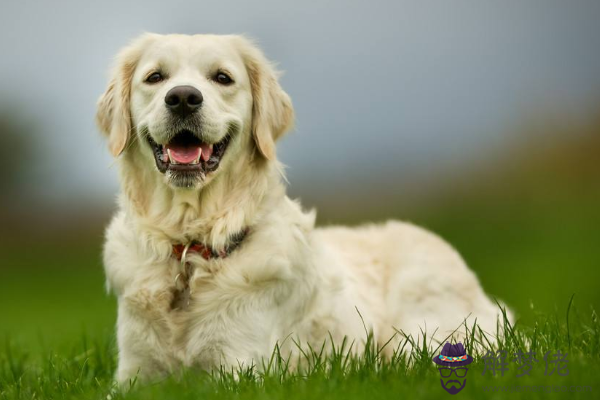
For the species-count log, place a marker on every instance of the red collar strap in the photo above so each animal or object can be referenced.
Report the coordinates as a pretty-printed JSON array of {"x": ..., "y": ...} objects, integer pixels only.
[{"x": 207, "y": 252}]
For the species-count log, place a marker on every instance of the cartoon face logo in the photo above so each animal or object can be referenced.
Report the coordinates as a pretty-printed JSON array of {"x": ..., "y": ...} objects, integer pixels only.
[
  {"x": 453, "y": 379},
  {"x": 452, "y": 361}
]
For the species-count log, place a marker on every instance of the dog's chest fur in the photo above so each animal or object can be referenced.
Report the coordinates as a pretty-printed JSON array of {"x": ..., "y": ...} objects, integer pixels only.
[
  {"x": 200, "y": 331},
  {"x": 239, "y": 306}
]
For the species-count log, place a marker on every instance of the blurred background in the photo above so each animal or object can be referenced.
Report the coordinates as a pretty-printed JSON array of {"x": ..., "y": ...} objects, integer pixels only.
[{"x": 479, "y": 121}]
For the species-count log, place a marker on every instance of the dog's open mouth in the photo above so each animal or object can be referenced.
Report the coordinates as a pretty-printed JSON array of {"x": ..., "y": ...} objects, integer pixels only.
[{"x": 185, "y": 152}]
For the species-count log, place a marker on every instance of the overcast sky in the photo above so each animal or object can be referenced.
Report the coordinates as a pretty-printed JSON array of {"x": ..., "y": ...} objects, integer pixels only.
[{"x": 387, "y": 87}]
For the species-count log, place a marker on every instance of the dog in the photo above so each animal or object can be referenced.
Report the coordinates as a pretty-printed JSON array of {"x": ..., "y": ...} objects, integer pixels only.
[{"x": 212, "y": 264}]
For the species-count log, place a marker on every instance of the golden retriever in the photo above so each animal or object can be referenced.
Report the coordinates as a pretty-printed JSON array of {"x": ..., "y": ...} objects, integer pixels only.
[{"x": 212, "y": 264}]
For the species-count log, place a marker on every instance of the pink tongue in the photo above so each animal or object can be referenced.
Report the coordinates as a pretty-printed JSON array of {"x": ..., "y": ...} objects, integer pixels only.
[{"x": 184, "y": 154}]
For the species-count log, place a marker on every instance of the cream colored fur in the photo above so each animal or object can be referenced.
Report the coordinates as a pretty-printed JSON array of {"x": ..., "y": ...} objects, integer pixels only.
[{"x": 287, "y": 280}]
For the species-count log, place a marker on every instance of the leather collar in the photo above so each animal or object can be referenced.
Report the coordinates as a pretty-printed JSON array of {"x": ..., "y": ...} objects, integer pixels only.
[{"x": 207, "y": 252}]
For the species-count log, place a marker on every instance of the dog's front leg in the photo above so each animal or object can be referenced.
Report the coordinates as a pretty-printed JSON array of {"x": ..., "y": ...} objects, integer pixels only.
[
  {"x": 142, "y": 336},
  {"x": 235, "y": 319}
]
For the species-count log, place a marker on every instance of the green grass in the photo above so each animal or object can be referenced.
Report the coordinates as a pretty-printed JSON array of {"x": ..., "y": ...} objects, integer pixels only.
[
  {"x": 49, "y": 300},
  {"x": 57, "y": 322},
  {"x": 86, "y": 370}
]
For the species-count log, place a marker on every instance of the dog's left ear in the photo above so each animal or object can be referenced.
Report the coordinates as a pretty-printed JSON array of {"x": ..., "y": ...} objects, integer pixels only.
[
  {"x": 272, "y": 110},
  {"x": 114, "y": 112}
]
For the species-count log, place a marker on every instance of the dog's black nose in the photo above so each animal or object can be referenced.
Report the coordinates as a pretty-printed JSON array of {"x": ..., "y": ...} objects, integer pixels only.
[{"x": 183, "y": 100}]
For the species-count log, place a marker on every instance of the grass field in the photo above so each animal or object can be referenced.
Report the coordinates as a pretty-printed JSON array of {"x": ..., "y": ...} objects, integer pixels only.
[
  {"x": 59, "y": 344},
  {"x": 85, "y": 370},
  {"x": 534, "y": 253}
]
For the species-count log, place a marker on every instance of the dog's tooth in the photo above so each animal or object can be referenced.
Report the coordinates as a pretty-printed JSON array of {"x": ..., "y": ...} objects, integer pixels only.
[
  {"x": 173, "y": 161},
  {"x": 197, "y": 160},
  {"x": 166, "y": 155},
  {"x": 206, "y": 150}
]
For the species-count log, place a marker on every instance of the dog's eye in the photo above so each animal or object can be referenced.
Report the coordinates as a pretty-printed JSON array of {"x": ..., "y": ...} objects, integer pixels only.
[
  {"x": 154, "y": 78},
  {"x": 223, "y": 78}
]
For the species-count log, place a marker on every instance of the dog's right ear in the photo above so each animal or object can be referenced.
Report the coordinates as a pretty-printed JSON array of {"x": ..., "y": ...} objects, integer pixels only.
[{"x": 114, "y": 112}]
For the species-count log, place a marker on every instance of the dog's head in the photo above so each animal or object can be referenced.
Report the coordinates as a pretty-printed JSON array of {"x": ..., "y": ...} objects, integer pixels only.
[{"x": 191, "y": 105}]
